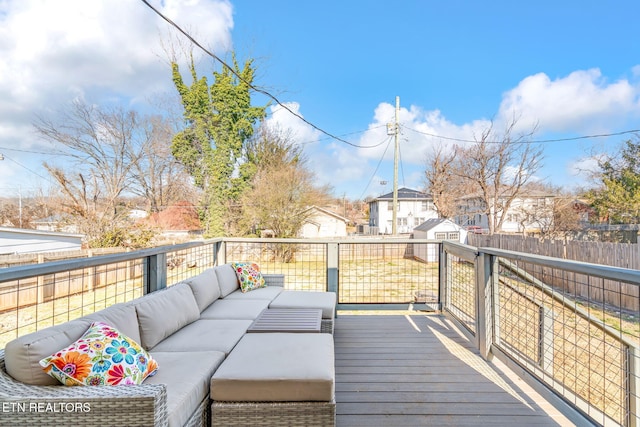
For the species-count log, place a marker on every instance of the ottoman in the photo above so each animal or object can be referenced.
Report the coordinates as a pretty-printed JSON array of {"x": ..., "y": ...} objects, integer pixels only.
[
  {"x": 274, "y": 379},
  {"x": 326, "y": 301}
]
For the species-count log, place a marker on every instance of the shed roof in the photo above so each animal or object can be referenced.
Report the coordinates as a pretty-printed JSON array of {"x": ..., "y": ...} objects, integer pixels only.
[{"x": 434, "y": 222}]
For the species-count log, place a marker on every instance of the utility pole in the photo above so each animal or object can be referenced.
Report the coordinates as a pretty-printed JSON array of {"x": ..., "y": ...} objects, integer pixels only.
[{"x": 396, "y": 132}]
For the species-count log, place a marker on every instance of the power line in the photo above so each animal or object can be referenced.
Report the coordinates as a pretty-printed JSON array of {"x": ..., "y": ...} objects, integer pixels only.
[
  {"x": 346, "y": 134},
  {"x": 377, "y": 167},
  {"x": 23, "y": 166},
  {"x": 541, "y": 141},
  {"x": 50, "y": 153},
  {"x": 239, "y": 77}
]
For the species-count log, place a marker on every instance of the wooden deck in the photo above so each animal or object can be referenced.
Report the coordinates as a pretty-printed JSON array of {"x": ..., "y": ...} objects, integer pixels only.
[{"x": 401, "y": 370}]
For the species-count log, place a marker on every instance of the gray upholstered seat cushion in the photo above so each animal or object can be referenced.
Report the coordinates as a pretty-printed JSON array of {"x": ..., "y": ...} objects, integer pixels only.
[
  {"x": 307, "y": 299},
  {"x": 205, "y": 288},
  {"x": 227, "y": 279},
  {"x": 162, "y": 313},
  {"x": 235, "y": 309},
  {"x": 206, "y": 335},
  {"x": 187, "y": 376},
  {"x": 267, "y": 293},
  {"x": 277, "y": 367}
]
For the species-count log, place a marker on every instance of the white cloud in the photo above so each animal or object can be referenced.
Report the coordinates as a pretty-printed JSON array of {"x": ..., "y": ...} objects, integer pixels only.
[
  {"x": 332, "y": 162},
  {"x": 101, "y": 50},
  {"x": 282, "y": 119},
  {"x": 583, "y": 167},
  {"x": 582, "y": 100}
]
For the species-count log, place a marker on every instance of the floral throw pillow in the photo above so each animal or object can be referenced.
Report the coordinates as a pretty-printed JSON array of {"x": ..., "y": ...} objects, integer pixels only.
[
  {"x": 249, "y": 275},
  {"x": 102, "y": 356}
]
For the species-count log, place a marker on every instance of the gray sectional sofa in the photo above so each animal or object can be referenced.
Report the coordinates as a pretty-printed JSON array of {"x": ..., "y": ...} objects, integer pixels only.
[{"x": 196, "y": 331}]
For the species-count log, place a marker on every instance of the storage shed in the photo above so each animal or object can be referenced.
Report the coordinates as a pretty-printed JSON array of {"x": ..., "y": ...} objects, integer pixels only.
[{"x": 436, "y": 229}]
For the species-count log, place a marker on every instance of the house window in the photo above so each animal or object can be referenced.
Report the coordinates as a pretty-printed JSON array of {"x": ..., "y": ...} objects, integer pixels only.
[
  {"x": 402, "y": 221},
  {"x": 440, "y": 236},
  {"x": 454, "y": 235},
  {"x": 427, "y": 205},
  {"x": 390, "y": 206}
]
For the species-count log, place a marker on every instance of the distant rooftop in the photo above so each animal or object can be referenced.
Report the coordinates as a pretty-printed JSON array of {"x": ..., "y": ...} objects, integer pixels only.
[{"x": 406, "y": 194}]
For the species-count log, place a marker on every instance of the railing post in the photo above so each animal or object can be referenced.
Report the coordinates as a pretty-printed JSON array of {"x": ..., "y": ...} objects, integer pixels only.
[
  {"x": 220, "y": 253},
  {"x": 546, "y": 340},
  {"x": 484, "y": 303},
  {"x": 156, "y": 277},
  {"x": 442, "y": 276},
  {"x": 332, "y": 266},
  {"x": 634, "y": 385}
]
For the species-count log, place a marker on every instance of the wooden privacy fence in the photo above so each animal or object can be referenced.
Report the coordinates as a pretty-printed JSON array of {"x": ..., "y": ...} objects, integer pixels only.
[
  {"x": 615, "y": 293},
  {"x": 40, "y": 289},
  {"x": 624, "y": 255}
]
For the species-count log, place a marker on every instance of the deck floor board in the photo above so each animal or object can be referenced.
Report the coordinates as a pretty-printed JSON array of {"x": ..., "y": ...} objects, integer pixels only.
[{"x": 397, "y": 370}]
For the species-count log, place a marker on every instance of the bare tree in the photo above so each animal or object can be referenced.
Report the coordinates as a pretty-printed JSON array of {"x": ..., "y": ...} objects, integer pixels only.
[
  {"x": 98, "y": 141},
  {"x": 156, "y": 175},
  {"x": 282, "y": 188},
  {"x": 113, "y": 152},
  {"x": 497, "y": 167},
  {"x": 442, "y": 182}
]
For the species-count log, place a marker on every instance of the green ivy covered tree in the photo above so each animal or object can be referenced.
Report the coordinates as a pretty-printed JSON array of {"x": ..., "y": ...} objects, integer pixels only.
[
  {"x": 618, "y": 197},
  {"x": 219, "y": 118}
]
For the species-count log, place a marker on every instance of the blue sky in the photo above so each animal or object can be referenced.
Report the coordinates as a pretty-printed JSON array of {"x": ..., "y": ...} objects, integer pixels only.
[{"x": 573, "y": 67}]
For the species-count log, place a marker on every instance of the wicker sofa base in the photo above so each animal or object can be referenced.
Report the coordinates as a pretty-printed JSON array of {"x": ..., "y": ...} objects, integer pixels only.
[
  {"x": 267, "y": 414},
  {"x": 326, "y": 326}
]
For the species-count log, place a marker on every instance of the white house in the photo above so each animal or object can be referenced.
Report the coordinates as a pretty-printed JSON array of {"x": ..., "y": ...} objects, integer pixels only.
[
  {"x": 414, "y": 208},
  {"x": 436, "y": 229},
  {"x": 324, "y": 223},
  {"x": 21, "y": 241},
  {"x": 527, "y": 213}
]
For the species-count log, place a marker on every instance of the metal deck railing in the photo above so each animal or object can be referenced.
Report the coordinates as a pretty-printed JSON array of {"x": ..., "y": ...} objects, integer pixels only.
[{"x": 554, "y": 319}]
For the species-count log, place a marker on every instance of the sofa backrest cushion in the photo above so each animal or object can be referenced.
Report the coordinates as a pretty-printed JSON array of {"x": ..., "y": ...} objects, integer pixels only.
[
  {"x": 23, "y": 355},
  {"x": 164, "y": 312},
  {"x": 227, "y": 279},
  {"x": 122, "y": 317},
  {"x": 205, "y": 288}
]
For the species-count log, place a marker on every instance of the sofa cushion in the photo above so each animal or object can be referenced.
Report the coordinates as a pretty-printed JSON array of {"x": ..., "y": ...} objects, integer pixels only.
[
  {"x": 187, "y": 376},
  {"x": 249, "y": 275},
  {"x": 205, "y": 288},
  {"x": 164, "y": 312},
  {"x": 23, "y": 354},
  {"x": 307, "y": 299},
  {"x": 206, "y": 335},
  {"x": 267, "y": 293},
  {"x": 121, "y": 316},
  {"x": 286, "y": 368},
  {"x": 227, "y": 279},
  {"x": 102, "y": 356},
  {"x": 235, "y": 309}
]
